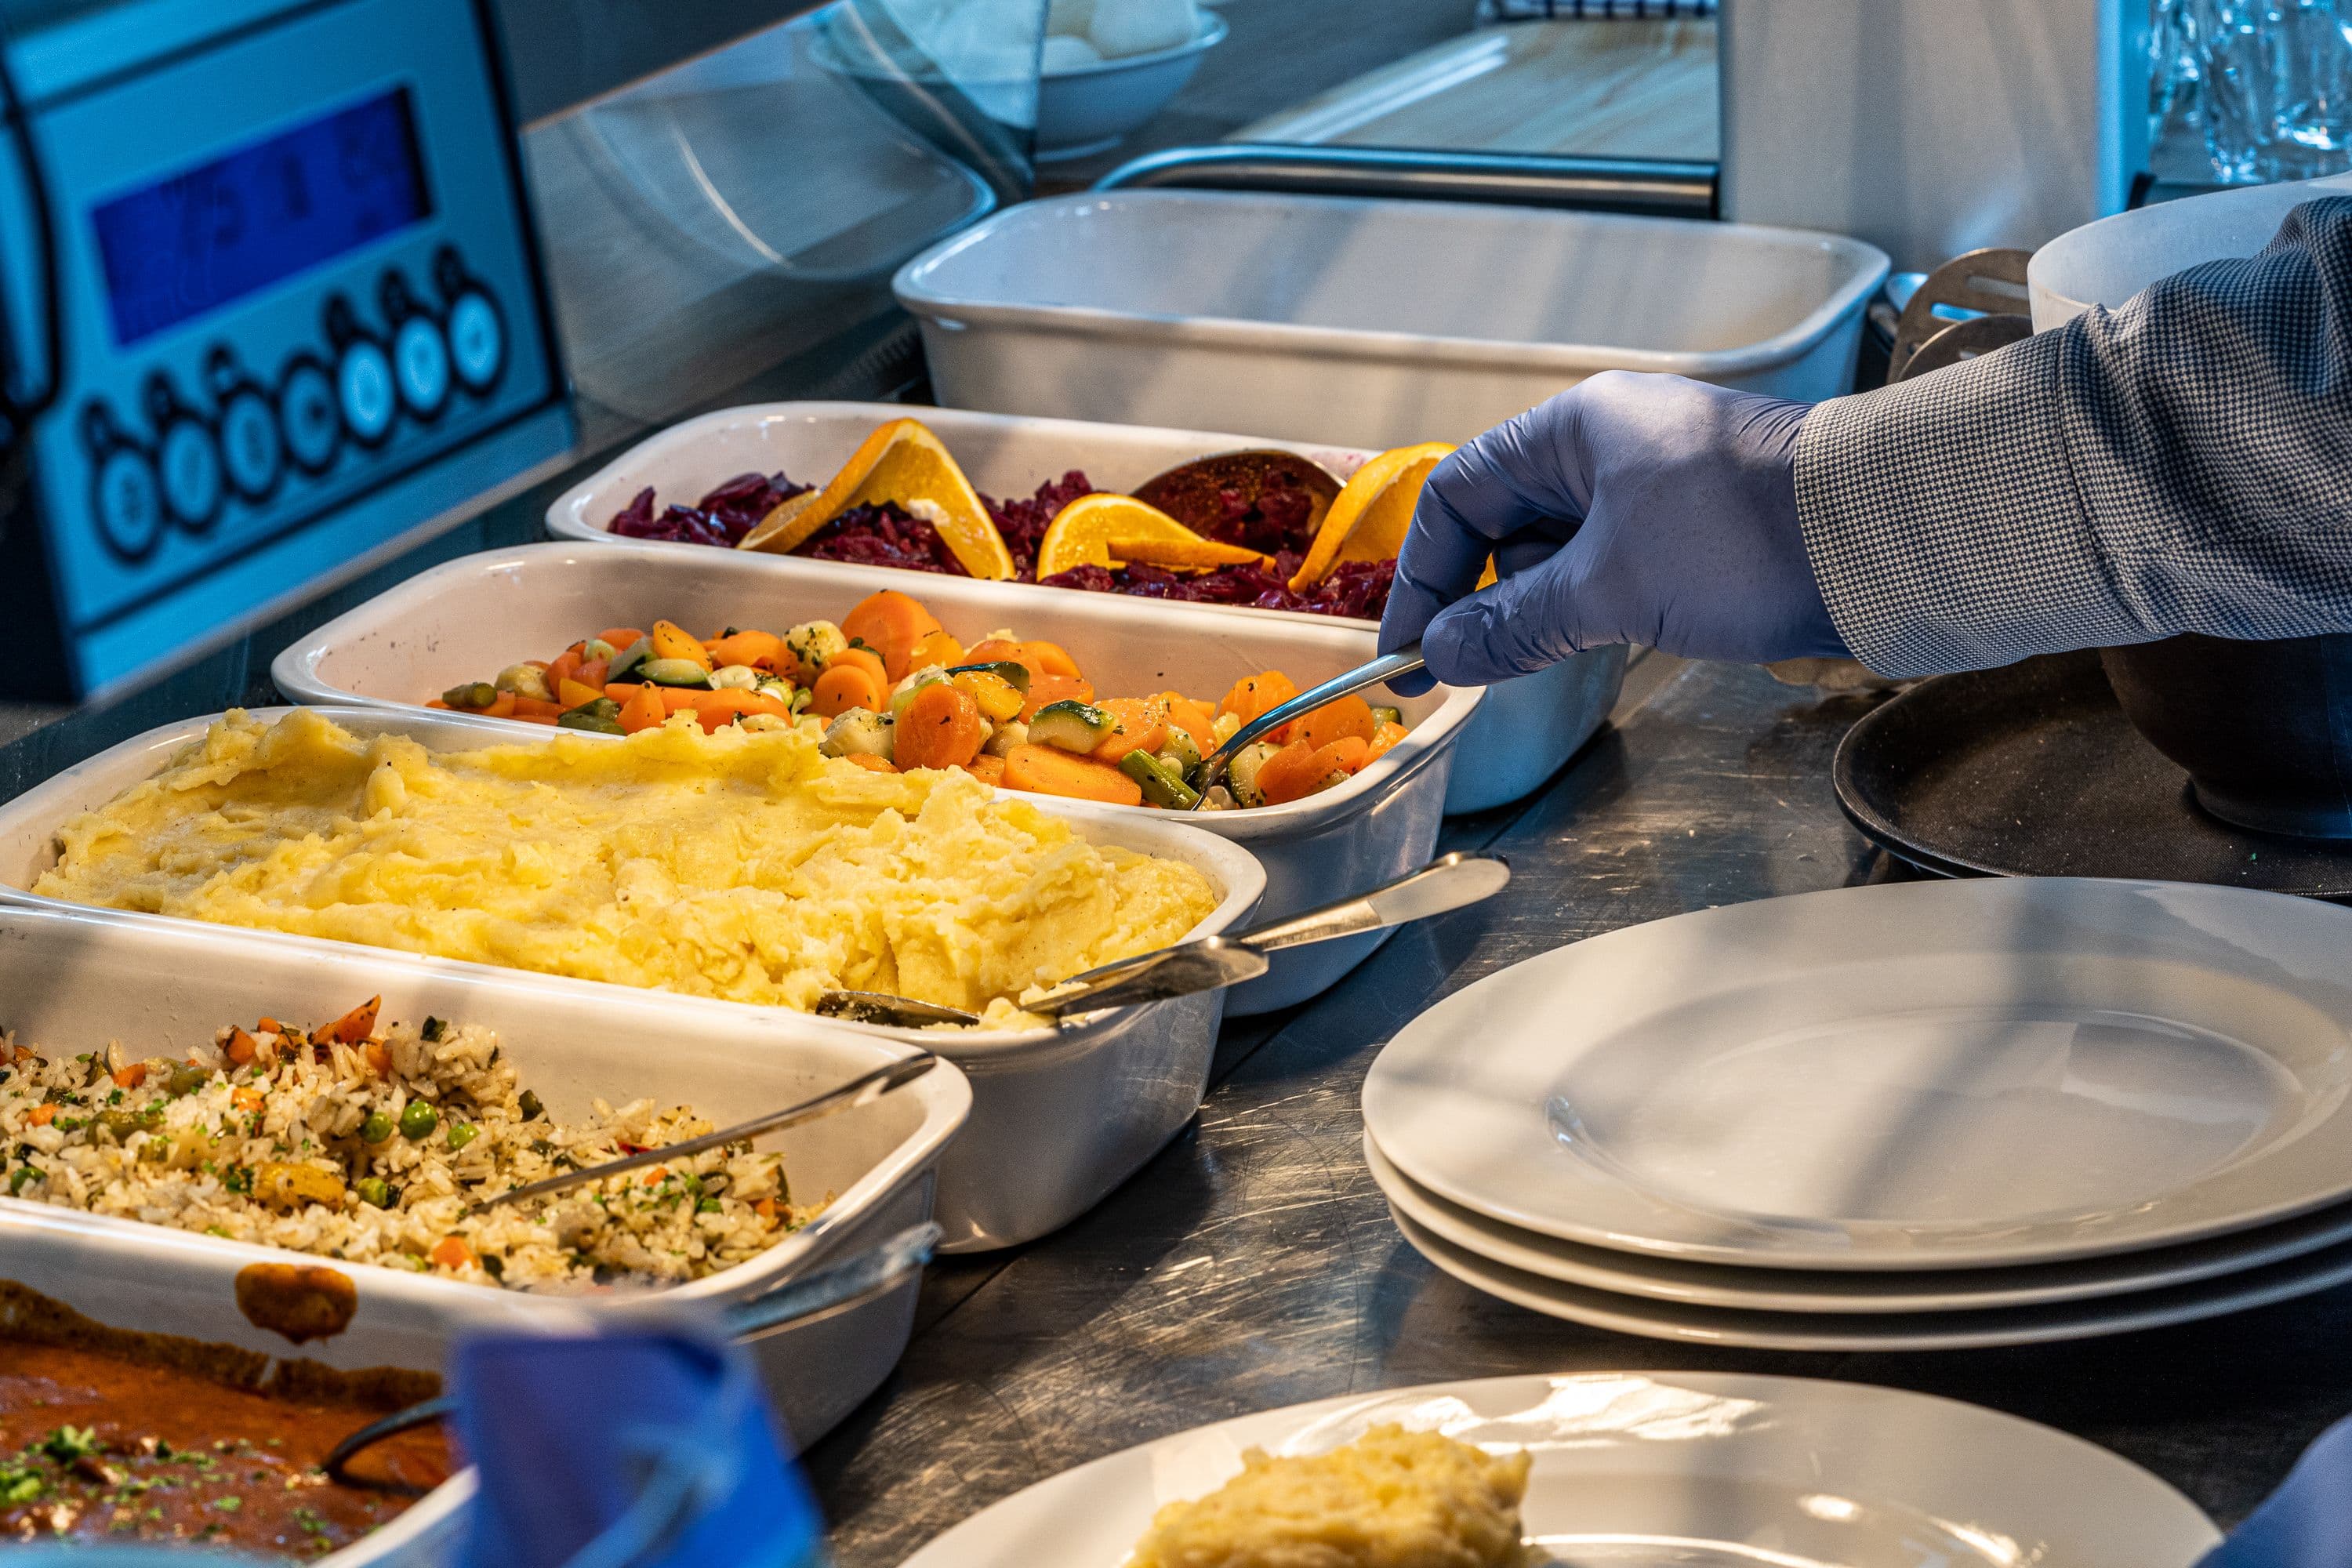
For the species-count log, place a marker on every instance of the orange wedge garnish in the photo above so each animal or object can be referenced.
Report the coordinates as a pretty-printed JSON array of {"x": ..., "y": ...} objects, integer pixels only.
[
  {"x": 902, "y": 462},
  {"x": 1368, "y": 523},
  {"x": 1111, "y": 531}
]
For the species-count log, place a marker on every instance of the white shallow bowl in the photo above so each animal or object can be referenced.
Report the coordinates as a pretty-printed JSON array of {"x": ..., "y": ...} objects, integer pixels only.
[
  {"x": 1089, "y": 108},
  {"x": 1872, "y": 1291},
  {"x": 1692, "y": 1469},
  {"x": 1944, "y": 1075},
  {"x": 76, "y": 979},
  {"x": 1369, "y": 323},
  {"x": 471, "y": 618},
  {"x": 1875, "y": 1333},
  {"x": 1521, "y": 734},
  {"x": 1059, "y": 1117}
]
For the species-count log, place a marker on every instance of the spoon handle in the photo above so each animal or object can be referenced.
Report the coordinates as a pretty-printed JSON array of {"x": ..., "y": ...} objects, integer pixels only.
[
  {"x": 1386, "y": 668},
  {"x": 1448, "y": 882}
]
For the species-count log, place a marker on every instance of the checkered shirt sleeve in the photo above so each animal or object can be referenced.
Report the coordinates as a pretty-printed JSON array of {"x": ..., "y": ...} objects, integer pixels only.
[{"x": 2183, "y": 464}]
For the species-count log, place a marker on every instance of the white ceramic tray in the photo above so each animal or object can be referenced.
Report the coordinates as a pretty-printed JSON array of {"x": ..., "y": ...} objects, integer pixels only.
[
  {"x": 1520, "y": 735},
  {"x": 1699, "y": 1469},
  {"x": 76, "y": 979},
  {"x": 1372, "y": 323},
  {"x": 472, "y": 618},
  {"x": 1058, "y": 1117}
]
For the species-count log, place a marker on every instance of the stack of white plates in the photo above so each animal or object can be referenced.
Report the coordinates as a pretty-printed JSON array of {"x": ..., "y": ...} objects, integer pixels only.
[{"x": 1918, "y": 1116}]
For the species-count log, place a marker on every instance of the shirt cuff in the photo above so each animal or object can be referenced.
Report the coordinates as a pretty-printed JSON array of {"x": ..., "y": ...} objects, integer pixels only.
[{"x": 1943, "y": 521}]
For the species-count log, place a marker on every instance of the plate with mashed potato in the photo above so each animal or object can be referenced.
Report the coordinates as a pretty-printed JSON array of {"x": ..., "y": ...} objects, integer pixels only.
[{"x": 1694, "y": 1470}]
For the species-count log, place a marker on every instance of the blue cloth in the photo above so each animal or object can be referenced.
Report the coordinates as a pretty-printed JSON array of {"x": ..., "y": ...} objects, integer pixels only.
[
  {"x": 653, "y": 1448},
  {"x": 2307, "y": 1522},
  {"x": 2182, "y": 464},
  {"x": 1630, "y": 508}
]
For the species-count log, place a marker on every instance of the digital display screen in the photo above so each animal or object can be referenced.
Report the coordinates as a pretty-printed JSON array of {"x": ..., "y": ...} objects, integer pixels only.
[{"x": 210, "y": 234}]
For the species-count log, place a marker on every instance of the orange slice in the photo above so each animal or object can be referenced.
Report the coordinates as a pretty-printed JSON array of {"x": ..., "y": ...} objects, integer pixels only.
[
  {"x": 1368, "y": 523},
  {"x": 1111, "y": 531},
  {"x": 903, "y": 462}
]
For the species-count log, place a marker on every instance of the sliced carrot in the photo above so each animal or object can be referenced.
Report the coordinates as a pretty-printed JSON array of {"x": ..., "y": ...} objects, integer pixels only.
[
  {"x": 131, "y": 1076},
  {"x": 716, "y": 709},
  {"x": 1050, "y": 658},
  {"x": 1047, "y": 770},
  {"x": 620, "y": 637},
  {"x": 546, "y": 718},
  {"x": 996, "y": 650},
  {"x": 1189, "y": 716},
  {"x": 1337, "y": 719},
  {"x": 1142, "y": 726},
  {"x": 242, "y": 1048},
  {"x": 747, "y": 648},
  {"x": 40, "y": 1115},
  {"x": 565, "y": 666},
  {"x": 938, "y": 649},
  {"x": 379, "y": 1058},
  {"x": 451, "y": 1253},
  {"x": 538, "y": 708},
  {"x": 870, "y": 762},
  {"x": 1384, "y": 737},
  {"x": 1288, "y": 774},
  {"x": 671, "y": 640},
  {"x": 864, "y": 658},
  {"x": 941, "y": 728},
  {"x": 1045, "y": 689},
  {"x": 1255, "y": 694},
  {"x": 986, "y": 769},
  {"x": 841, "y": 687},
  {"x": 445, "y": 708},
  {"x": 570, "y": 694},
  {"x": 246, "y": 1098},
  {"x": 892, "y": 624},
  {"x": 353, "y": 1026},
  {"x": 593, "y": 673},
  {"x": 503, "y": 708},
  {"x": 642, "y": 709},
  {"x": 1347, "y": 754}
]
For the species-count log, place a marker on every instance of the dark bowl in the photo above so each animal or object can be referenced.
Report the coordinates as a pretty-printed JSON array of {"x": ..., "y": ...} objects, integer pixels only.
[{"x": 2263, "y": 728}]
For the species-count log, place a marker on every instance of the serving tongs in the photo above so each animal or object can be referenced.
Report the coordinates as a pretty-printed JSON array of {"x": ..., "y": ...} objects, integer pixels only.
[
  {"x": 1385, "y": 668},
  {"x": 1448, "y": 882},
  {"x": 866, "y": 1276}
]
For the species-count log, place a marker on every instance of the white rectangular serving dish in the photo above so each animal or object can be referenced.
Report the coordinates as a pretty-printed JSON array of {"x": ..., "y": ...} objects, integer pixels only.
[
  {"x": 1521, "y": 734},
  {"x": 1058, "y": 1117},
  {"x": 75, "y": 979},
  {"x": 1373, "y": 323},
  {"x": 469, "y": 618}
]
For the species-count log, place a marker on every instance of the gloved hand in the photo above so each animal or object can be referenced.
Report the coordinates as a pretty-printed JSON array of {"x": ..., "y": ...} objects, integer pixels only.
[
  {"x": 2307, "y": 1522},
  {"x": 1634, "y": 509}
]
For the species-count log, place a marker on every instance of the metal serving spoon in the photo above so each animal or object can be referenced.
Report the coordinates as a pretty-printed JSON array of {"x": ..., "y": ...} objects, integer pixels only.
[
  {"x": 1386, "y": 668},
  {"x": 866, "y": 1276},
  {"x": 863, "y": 1090},
  {"x": 1448, "y": 882}
]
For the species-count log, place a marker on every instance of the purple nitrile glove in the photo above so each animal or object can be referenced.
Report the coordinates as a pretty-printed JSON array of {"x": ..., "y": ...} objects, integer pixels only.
[
  {"x": 1630, "y": 508},
  {"x": 2307, "y": 1522}
]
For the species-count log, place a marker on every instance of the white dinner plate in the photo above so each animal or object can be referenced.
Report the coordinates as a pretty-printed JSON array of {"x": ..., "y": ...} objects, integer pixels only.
[
  {"x": 1690, "y": 1469},
  {"x": 1929, "y": 1075},
  {"x": 1852, "y": 1290},
  {"x": 1883, "y": 1331}
]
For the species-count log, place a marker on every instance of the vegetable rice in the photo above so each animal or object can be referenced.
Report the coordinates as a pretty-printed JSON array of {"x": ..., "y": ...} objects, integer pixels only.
[{"x": 364, "y": 1144}]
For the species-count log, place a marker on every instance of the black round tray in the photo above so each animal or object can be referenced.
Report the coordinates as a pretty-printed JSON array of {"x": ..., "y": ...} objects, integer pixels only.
[{"x": 2033, "y": 771}]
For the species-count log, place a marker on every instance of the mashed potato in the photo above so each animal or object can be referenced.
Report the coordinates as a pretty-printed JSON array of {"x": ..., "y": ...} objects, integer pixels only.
[
  {"x": 1392, "y": 1499},
  {"x": 738, "y": 864}
]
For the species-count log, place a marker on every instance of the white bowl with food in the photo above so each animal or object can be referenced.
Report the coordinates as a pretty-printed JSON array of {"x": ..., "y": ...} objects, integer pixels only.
[
  {"x": 1523, "y": 732},
  {"x": 82, "y": 981},
  {"x": 470, "y": 619},
  {"x": 1089, "y": 101},
  {"x": 1109, "y": 1089}
]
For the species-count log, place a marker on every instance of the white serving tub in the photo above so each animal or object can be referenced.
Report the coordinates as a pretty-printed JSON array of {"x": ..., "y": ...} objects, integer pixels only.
[
  {"x": 76, "y": 979},
  {"x": 1057, "y": 1116},
  {"x": 472, "y": 618},
  {"x": 1520, "y": 735},
  {"x": 1373, "y": 323}
]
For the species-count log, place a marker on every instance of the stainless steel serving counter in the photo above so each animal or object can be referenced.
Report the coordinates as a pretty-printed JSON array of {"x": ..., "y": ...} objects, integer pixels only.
[{"x": 1252, "y": 1264}]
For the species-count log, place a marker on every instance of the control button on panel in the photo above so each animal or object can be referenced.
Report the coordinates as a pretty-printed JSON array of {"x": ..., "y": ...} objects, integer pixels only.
[
  {"x": 314, "y": 427},
  {"x": 477, "y": 340},
  {"x": 129, "y": 503},
  {"x": 423, "y": 359},
  {"x": 249, "y": 444},
  {"x": 364, "y": 387},
  {"x": 193, "y": 482}
]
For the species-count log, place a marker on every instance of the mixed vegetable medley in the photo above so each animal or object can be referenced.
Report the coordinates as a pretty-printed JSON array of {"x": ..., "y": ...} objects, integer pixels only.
[{"x": 897, "y": 692}]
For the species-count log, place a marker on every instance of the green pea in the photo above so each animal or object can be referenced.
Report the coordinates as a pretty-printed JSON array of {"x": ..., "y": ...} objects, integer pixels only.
[
  {"x": 462, "y": 1134},
  {"x": 377, "y": 1128},
  {"x": 417, "y": 1123},
  {"x": 373, "y": 1193},
  {"x": 21, "y": 1177}
]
